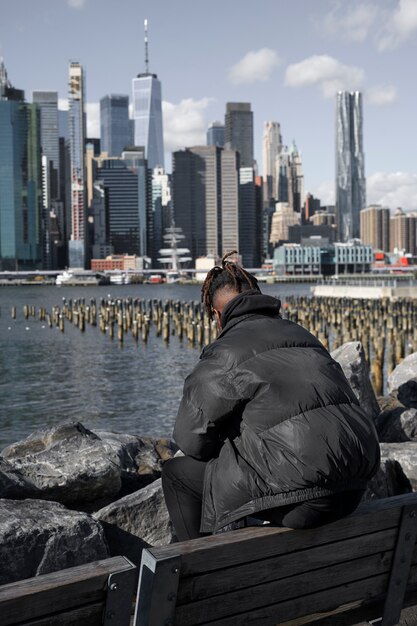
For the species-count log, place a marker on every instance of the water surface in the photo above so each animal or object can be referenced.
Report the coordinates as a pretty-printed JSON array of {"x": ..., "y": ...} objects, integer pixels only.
[{"x": 47, "y": 376}]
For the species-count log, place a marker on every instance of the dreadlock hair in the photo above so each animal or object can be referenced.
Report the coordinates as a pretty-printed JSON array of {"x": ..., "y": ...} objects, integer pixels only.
[{"x": 229, "y": 275}]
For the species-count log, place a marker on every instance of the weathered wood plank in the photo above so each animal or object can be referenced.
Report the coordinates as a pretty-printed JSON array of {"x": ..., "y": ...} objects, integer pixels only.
[
  {"x": 355, "y": 595},
  {"x": 283, "y": 566},
  {"x": 42, "y": 595},
  {"x": 250, "y": 544},
  {"x": 370, "y": 612},
  {"x": 293, "y": 587},
  {"x": 91, "y": 615}
]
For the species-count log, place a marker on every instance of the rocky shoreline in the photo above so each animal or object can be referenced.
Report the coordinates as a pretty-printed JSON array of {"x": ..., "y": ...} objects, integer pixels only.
[{"x": 69, "y": 495}]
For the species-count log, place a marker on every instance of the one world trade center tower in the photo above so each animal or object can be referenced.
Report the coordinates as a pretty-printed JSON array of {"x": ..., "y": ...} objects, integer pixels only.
[{"x": 147, "y": 113}]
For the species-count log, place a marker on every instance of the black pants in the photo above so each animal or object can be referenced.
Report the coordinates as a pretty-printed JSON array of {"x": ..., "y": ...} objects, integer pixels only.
[{"x": 182, "y": 482}]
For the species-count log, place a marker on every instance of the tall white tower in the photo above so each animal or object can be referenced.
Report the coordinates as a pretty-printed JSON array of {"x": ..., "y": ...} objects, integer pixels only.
[
  {"x": 77, "y": 246},
  {"x": 147, "y": 113},
  {"x": 271, "y": 149}
]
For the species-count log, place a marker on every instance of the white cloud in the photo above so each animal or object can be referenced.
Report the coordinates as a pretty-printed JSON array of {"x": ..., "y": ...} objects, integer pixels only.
[
  {"x": 399, "y": 25},
  {"x": 325, "y": 192},
  {"x": 185, "y": 124},
  {"x": 63, "y": 104},
  {"x": 354, "y": 25},
  {"x": 381, "y": 95},
  {"x": 327, "y": 73},
  {"x": 76, "y": 4},
  {"x": 393, "y": 190},
  {"x": 389, "y": 189},
  {"x": 255, "y": 66},
  {"x": 92, "y": 110}
]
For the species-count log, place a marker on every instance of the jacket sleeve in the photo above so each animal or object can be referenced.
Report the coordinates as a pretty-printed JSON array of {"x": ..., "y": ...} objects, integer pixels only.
[{"x": 209, "y": 398}]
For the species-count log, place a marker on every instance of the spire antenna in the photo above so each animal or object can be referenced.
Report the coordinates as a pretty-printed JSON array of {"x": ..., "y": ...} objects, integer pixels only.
[{"x": 146, "y": 47}]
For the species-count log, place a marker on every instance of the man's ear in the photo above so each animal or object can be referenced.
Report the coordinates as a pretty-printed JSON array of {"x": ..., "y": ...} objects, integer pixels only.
[{"x": 218, "y": 316}]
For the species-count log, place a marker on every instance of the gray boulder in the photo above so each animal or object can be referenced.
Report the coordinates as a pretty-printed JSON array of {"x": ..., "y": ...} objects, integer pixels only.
[
  {"x": 389, "y": 481},
  {"x": 136, "y": 521},
  {"x": 396, "y": 423},
  {"x": 66, "y": 463},
  {"x": 402, "y": 382},
  {"x": 406, "y": 455},
  {"x": 140, "y": 459},
  {"x": 12, "y": 483},
  {"x": 351, "y": 358},
  {"x": 37, "y": 537}
]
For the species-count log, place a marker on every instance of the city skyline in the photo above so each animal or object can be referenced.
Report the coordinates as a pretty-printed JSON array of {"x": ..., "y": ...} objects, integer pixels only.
[{"x": 287, "y": 61}]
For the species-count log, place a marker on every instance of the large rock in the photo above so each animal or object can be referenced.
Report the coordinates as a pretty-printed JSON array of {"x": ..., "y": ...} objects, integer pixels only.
[
  {"x": 402, "y": 382},
  {"x": 12, "y": 483},
  {"x": 351, "y": 358},
  {"x": 37, "y": 537},
  {"x": 140, "y": 459},
  {"x": 396, "y": 423},
  {"x": 406, "y": 455},
  {"x": 66, "y": 463},
  {"x": 136, "y": 521},
  {"x": 389, "y": 481}
]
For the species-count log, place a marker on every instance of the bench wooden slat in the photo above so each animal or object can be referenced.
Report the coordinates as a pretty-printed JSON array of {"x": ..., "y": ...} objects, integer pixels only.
[
  {"x": 283, "y": 566},
  {"x": 287, "y": 588},
  {"x": 357, "y": 594},
  {"x": 361, "y": 615},
  {"x": 45, "y": 595},
  {"x": 268, "y": 576},
  {"x": 250, "y": 544},
  {"x": 91, "y": 615}
]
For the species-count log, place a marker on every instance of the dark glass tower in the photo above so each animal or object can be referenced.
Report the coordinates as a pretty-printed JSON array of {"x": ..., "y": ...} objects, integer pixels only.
[
  {"x": 47, "y": 102},
  {"x": 238, "y": 132},
  {"x": 128, "y": 189},
  {"x": 350, "y": 165},
  {"x": 115, "y": 124},
  {"x": 21, "y": 210}
]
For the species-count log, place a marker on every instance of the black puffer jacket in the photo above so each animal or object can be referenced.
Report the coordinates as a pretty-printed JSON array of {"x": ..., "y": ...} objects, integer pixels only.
[{"x": 274, "y": 414}]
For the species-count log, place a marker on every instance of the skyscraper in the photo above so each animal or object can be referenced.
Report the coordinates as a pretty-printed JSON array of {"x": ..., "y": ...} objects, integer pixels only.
[
  {"x": 206, "y": 199},
  {"x": 115, "y": 124},
  {"x": 238, "y": 132},
  {"x": 53, "y": 219},
  {"x": 350, "y": 164},
  {"x": 47, "y": 102},
  {"x": 290, "y": 178},
  {"x": 21, "y": 208},
  {"x": 375, "y": 227},
  {"x": 296, "y": 179},
  {"x": 147, "y": 113},
  {"x": 271, "y": 148},
  {"x": 215, "y": 134},
  {"x": 250, "y": 234},
  {"x": 403, "y": 232},
  {"x": 128, "y": 195},
  {"x": 77, "y": 247}
]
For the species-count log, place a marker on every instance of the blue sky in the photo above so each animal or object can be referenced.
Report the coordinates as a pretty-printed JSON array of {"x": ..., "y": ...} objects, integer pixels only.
[{"x": 287, "y": 58}]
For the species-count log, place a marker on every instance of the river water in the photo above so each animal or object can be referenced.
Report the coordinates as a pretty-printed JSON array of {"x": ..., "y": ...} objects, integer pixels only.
[{"x": 47, "y": 376}]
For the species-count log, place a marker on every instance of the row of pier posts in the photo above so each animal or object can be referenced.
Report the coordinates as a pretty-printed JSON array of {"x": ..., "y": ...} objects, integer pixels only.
[{"x": 386, "y": 328}]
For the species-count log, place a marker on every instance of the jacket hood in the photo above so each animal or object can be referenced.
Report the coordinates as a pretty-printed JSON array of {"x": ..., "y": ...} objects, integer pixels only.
[{"x": 251, "y": 301}]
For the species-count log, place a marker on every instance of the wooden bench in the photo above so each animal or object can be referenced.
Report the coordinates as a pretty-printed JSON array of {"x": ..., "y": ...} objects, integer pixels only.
[
  {"x": 358, "y": 569},
  {"x": 87, "y": 595}
]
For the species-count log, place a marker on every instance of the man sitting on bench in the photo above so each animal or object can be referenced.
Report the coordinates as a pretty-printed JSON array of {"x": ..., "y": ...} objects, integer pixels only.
[{"x": 268, "y": 423}]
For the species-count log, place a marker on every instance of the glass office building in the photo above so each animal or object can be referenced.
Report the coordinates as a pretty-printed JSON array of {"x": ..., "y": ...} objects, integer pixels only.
[
  {"x": 115, "y": 126},
  {"x": 350, "y": 165},
  {"x": 47, "y": 102},
  {"x": 20, "y": 180},
  {"x": 147, "y": 115}
]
